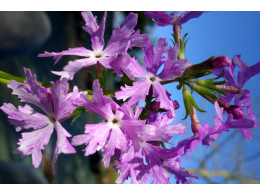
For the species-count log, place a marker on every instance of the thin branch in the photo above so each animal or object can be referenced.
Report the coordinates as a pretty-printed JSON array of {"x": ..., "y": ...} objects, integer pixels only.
[
  {"x": 230, "y": 176},
  {"x": 217, "y": 148}
]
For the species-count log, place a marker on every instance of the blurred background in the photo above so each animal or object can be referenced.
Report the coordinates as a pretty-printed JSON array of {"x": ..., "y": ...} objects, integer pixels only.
[{"x": 23, "y": 35}]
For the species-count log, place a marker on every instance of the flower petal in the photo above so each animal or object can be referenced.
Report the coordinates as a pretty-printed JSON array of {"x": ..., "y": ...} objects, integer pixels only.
[
  {"x": 74, "y": 66},
  {"x": 62, "y": 144},
  {"x": 32, "y": 92},
  {"x": 24, "y": 117},
  {"x": 139, "y": 90},
  {"x": 33, "y": 142},
  {"x": 77, "y": 51}
]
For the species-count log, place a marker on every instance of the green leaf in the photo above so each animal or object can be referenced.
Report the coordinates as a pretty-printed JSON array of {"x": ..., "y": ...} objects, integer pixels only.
[
  {"x": 175, "y": 38},
  {"x": 182, "y": 47},
  {"x": 209, "y": 84},
  {"x": 186, "y": 43},
  {"x": 195, "y": 105},
  {"x": 203, "y": 91},
  {"x": 186, "y": 100}
]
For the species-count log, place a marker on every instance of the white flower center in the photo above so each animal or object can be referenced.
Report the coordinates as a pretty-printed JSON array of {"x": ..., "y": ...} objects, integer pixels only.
[
  {"x": 152, "y": 78},
  {"x": 52, "y": 119},
  {"x": 97, "y": 54},
  {"x": 115, "y": 123}
]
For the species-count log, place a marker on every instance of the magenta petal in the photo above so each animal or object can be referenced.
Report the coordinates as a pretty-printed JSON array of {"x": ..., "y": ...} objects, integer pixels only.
[
  {"x": 135, "y": 70},
  {"x": 129, "y": 166},
  {"x": 138, "y": 40},
  {"x": 95, "y": 138},
  {"x": 77, "y": 51},
  {"x": 59, "y": 93},
  {"x": 97, "y": 37},
  {"x": 164, "y": 131},
  {"x": 154, "y": 59},
  {"x": 32, "y": 92},
  {"x": 161, "y": 18},
  {"x": 191, "y": 15},
  {"x": 61, "y": 97},
  {"x": 24, "y": 117},
  {"x": 91, "y": 25},
  {"x": 116, "y": 140},
  {"x": 162, "y": 97},
  {"x": 139, "y": 90},
  {"x": 173, "y": 68},
  {"x": 62, "y": 144},
  {"x": 252, "y": 71},
  {"x": 33, "y": 142},
  {"x": 74, "y": 66},
  {"x": 247, "y": 133}
]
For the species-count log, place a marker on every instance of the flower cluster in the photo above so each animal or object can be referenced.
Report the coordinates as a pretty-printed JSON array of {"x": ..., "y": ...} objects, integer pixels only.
[{"x": 133, "y": 137}]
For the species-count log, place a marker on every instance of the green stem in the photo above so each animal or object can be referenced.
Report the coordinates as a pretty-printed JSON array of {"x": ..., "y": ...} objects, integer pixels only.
[
  {"x": 170, "y": 81},
  {"x": 6, "y": 76}
]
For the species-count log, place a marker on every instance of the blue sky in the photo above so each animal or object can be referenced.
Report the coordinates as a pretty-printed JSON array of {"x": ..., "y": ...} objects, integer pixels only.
[{"x": 215, "y": 34}]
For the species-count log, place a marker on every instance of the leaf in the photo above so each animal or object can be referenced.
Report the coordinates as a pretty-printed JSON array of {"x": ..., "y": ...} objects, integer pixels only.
[
  {"x": 175, "y": 38},
  {"x": 186, "y": 100},
  {"x": 195, "y": 105}
]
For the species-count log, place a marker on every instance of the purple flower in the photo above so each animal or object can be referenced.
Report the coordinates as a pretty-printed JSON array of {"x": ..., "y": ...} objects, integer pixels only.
[
  {"x": 153, "y": 60},
  {"x": 120, "y": 41},
  {"x": 242, "y": 97},
  {"x": 145, "y": 160},
  {"x": 163, "y": 19},
  {"x": 208, "y": 134},
  {"x": 52, "y": 102},
  {"x": 189, "y": 144},
  {"x": 220, "y": 62},
  {"x": 175, "y": 20},
  {"x": 215, "y": 131},
  {"x": 152, "y": 163},
  {"x": 111, "y": 134}
]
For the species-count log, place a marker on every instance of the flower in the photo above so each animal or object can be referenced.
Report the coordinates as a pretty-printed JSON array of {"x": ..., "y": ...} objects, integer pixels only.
[
  {"x": 51, "y": 101},
  {"x": 111, "y": 134},
  {"x": 214, "y": 131},
  {"x": 120, "y": 41},
  {"x": 163, "y": 19},
  {"x": 175, "y": 20},
  {"x": 146, "y": 160},
  {"x": 153, "y": 60},
  {"x": 242, "y": 96}
]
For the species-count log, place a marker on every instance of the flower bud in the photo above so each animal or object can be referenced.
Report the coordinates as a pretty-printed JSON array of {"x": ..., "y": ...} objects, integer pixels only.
[
  {"x": 221, "y": 62},
  {"x": 155, "y": 105},
  {"x": 209, "y": 64},
  {"x": 236, "y": 111},
  {"x": 176, "y": 105},
  {"x": 48, "y": 93},
  {"x": 195, "y": 123},
  {"x": 228, "y": 89},
  {"x": 152, "y": 116}
]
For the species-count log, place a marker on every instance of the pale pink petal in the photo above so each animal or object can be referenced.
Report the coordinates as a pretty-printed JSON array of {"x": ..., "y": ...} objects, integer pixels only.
[
  {"x": 32, "y": 143},
  {"x": 24, "y": 117},
  {"x": 77, "y": 51},
  {"x": 138, "y": 91},
  {"x": 74, "y": 66},
  {"x": 32, "y": 92},
  {"x": 62, "y": 144}
]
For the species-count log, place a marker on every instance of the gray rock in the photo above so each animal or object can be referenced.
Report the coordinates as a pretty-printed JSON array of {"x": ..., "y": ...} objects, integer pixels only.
[{"x": 22, "y": 32}]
